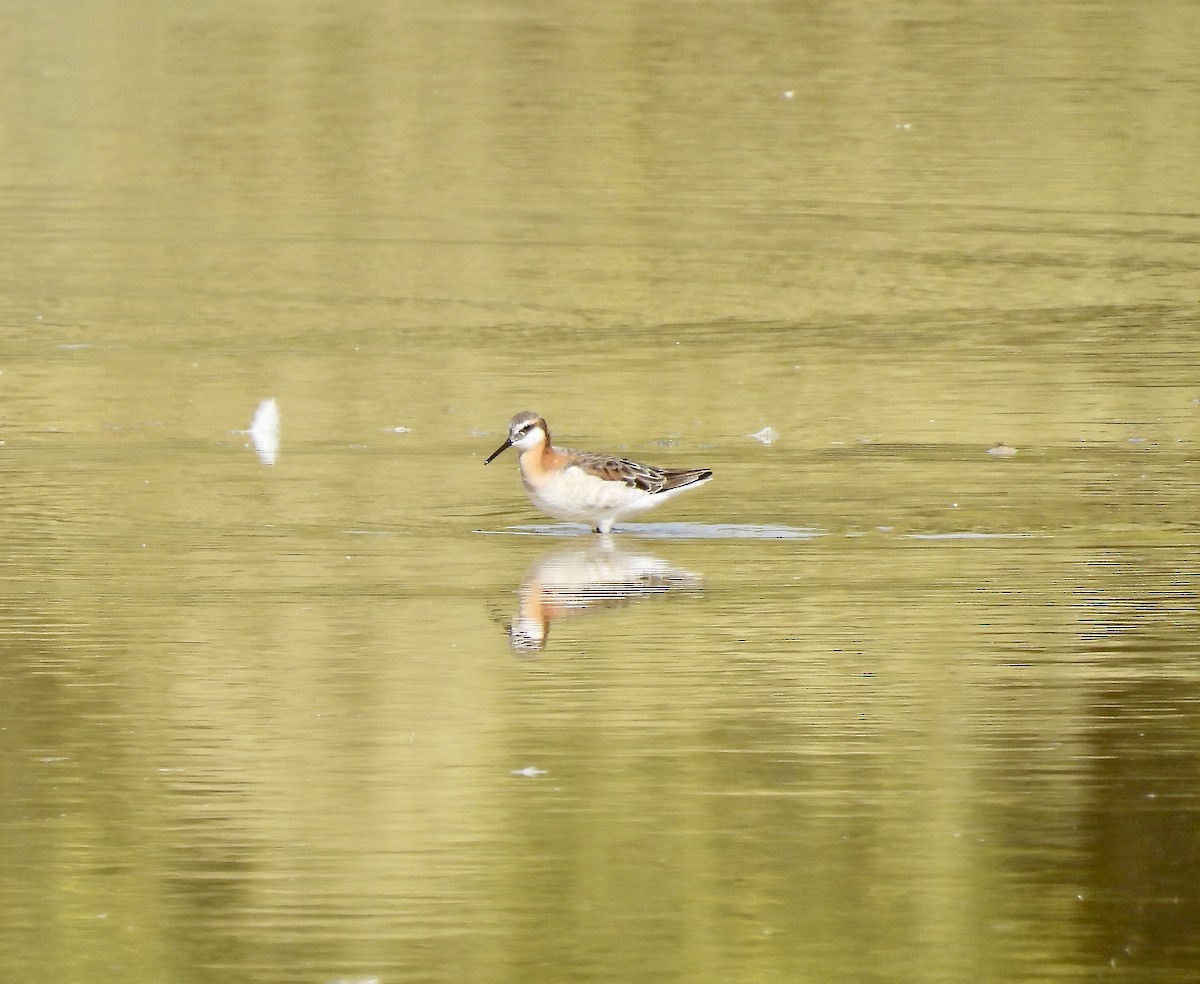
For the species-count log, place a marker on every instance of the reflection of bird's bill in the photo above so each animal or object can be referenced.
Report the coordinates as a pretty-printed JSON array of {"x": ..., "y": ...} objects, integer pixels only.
[{"x": 566, "y": 583}]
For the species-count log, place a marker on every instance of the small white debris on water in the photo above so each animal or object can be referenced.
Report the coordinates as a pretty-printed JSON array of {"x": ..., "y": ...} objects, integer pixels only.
[
  {"x": 768, "y": 435},
  {"x": 399, "y": 430},
  {"x": 529, "y": 772}
]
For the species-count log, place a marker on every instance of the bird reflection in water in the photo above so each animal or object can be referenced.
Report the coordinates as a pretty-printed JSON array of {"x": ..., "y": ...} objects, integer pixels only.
[{"x": 565, "y": 583}]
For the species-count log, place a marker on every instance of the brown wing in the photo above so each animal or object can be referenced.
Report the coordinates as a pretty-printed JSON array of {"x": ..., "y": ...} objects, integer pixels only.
[
  {"x": 637, "y": 476},
  {"x": 674, "y": 478}
]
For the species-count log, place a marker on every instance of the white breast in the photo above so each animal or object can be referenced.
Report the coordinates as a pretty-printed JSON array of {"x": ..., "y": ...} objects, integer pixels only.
[{"x": 576, "y": 496}]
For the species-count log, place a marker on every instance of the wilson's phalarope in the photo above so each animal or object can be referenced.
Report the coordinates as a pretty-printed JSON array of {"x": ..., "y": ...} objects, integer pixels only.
[{"x": 586, "y": 487}]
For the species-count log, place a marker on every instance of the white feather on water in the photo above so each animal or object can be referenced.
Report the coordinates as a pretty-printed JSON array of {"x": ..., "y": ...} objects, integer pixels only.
[{"x": 264, "y": 431}]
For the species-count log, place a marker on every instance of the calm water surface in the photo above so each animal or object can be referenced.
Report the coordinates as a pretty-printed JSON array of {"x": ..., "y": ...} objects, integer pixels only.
[{"x": 877, "y": 704}]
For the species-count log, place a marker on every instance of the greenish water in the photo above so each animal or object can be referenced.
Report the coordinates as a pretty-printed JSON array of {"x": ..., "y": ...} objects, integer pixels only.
[{"x": 873, "y": 705}]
